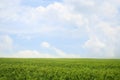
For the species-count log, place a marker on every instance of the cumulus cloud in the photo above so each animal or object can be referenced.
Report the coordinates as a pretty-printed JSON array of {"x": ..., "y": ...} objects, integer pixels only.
[
  {"x": 108, "y": 9},
  {"x": 98, "y": 20},
  {"x": 37, "y": 54},
  {"x": 94, "y": 44},
  {"x": 9, "y": 9},
  {"x": 45, "y": 44},
  {"x": 6, "y": 42},
  {"x": 59, "y": 52},
  {"x": 56, "y": 15},
  {"x": 31, "y": 54}
]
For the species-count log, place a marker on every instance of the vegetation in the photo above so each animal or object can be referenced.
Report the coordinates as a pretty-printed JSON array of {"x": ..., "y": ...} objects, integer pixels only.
[{"x": 59, "y": 69}]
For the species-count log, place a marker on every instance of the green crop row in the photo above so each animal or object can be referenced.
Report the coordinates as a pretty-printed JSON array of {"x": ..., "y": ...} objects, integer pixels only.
[{"x": 59, "y": 69}]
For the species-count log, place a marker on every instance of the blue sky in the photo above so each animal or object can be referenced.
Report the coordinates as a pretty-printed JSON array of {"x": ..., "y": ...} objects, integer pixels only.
[{"x": 60, "y": 28}]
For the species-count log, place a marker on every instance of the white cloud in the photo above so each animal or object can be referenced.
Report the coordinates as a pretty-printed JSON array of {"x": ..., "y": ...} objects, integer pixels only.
[
  {"x": 45, "y": 44},
  {"x": 36, "y": 54},
  {"x": 59, "y": 52},
  {"x": 62, "y": 54},
  {"x": 111, "y": 37},
  {"x": 94, "y": 44},
  {"x": 98, "y": 48},
  {"x": 110, "y": 31},
  {"x": 6, "y": 42},
  {"x": 103, "y": 37},
  {"x": 31, "y": 54},
  {"x": 43, "y": 20},
  {"x": 9, "y": 9},
  {"x": 70, "y": 18},
  {"x": 83, "y": 2},
  {"x": 108, "y": 9}
]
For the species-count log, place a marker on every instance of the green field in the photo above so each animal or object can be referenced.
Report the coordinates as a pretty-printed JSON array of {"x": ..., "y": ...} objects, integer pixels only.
[{"x": 59, "y": 69}]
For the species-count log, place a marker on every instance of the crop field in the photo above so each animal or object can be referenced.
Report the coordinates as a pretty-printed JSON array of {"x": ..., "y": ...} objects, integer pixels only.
[{"x": 59, "y": 69}]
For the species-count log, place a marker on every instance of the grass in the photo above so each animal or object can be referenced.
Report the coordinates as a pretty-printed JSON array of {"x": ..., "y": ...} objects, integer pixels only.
[{"x": 59, "y": 69}]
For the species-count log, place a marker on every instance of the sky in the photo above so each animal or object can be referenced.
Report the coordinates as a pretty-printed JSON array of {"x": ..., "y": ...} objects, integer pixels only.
[{"x": 60, "y": 28}]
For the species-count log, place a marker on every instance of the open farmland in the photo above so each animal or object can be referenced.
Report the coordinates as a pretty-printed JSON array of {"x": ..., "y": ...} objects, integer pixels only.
[{"x": 59, "y": 69}]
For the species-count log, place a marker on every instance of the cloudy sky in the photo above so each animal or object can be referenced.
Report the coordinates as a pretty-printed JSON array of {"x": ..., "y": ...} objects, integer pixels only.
[{"x": 60, "y": 28}]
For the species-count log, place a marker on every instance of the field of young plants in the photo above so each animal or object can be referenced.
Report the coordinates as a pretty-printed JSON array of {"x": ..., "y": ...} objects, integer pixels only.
[{"x": 59, "y": 69}]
